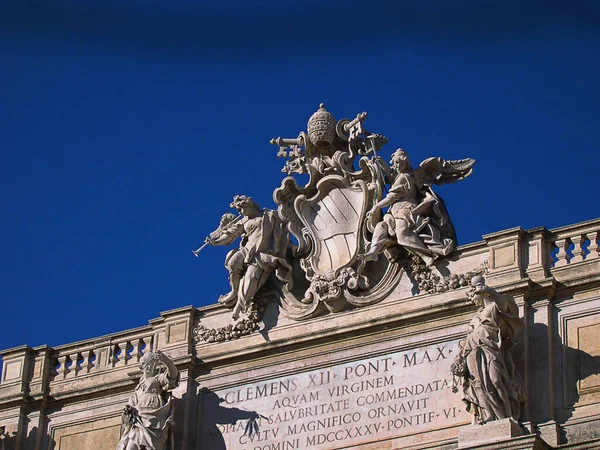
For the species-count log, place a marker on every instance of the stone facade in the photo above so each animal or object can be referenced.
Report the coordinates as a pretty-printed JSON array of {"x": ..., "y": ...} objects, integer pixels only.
[
  {"x": 353, "y": 321},
  {"x": 374, "y": 377}
]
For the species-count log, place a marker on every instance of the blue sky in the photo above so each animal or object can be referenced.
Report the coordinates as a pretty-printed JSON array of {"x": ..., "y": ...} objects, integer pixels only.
[{"x": 127, "y": 126}]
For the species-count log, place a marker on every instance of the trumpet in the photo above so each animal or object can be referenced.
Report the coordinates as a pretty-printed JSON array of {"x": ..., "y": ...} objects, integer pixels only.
[
  {"x": 226, "y": 221},
  {"x": 199, "y": 249}
]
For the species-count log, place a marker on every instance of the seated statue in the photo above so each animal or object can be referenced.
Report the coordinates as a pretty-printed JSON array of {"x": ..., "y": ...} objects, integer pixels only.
[
  {"x": 491, "y": 384},
  {"x": 262, "y": 251},
  {"x": 416, "y": 219},
  {"x": 148, "y": 415}
]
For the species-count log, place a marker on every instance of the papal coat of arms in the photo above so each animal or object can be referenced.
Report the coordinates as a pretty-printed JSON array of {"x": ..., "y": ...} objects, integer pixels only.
[{"x": 342, "y": 239}]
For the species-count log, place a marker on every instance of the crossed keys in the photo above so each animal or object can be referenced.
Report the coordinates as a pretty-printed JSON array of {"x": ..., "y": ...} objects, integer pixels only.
[
  {"x": 290, "y": 151},
  {"x": 288, "y": 147},
  {"x": 293, "y": 149}
]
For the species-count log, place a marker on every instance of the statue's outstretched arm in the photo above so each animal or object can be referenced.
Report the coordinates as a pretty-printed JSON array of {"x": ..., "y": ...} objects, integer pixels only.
[{"x": 226, "y": 236}]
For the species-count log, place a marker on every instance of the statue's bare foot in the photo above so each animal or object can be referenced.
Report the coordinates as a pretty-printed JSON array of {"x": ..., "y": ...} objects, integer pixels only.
[
  {"x": 239, "y": 308},
  {"x": 227, "y": 299}
]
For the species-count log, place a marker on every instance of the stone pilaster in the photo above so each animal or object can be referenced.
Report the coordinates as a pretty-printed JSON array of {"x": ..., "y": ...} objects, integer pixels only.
[
  {"x": 507, "y": 255},
  {"x": 538, "y": 253}
]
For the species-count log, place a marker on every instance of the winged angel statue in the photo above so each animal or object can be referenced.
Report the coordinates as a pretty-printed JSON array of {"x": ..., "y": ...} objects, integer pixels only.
[
  {"x": 353, "y": 207},
  {"x": 416, "y": 218}
]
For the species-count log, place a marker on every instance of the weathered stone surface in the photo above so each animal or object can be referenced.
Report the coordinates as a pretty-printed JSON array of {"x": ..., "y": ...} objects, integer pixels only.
[
  {"x": 349, "y": 404},
  {"x": 530, "y": 442},
  {"x": 495, "y": 431},
  {"x": 557, "y": 355},
  {"x": 99, "y": 435}
]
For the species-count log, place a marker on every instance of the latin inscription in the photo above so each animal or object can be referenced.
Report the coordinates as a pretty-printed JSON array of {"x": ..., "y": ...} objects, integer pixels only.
[{"x": 348, "y": 404}]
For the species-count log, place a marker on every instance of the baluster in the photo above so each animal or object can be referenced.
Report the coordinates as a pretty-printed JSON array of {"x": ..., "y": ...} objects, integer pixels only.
[
  {"x": 135, "y": 353},
  {"x": 86, "y": 365},
  {"x": 562, "y": 255},
  {"x": 125, "y": 355},
  {"x": 112, "y": 357},
  {"x": 73, "y": 369},
  {"x": 118, "y": 359},
  {"x": 148, "y": 342},
  {"x": 62, "y": 370},
  {"x": 577, "y": 249},
  {"x": 593, "y": 247}
]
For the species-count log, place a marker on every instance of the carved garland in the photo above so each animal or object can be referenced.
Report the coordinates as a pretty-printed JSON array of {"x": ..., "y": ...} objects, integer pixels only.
[
  {"x": 432, "y": 283},
  {"x": 230, "y": 332}
]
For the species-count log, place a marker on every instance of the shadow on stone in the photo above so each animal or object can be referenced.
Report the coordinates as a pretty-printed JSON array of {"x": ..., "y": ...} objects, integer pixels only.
[
  {"x": 442, "y": 266},
  {"x": 8, "y": 441},
  {"x": 270, "y": 318},
  {"x": 218, "y": 420},
  {"x": 573, "y": 366}
]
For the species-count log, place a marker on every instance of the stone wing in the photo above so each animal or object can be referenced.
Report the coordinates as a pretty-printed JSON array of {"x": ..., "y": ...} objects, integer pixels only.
[{"x": 440, "y": 171}]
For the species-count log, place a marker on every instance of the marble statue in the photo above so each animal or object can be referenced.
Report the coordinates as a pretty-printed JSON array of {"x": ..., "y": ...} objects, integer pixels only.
[
  {"x": 417, "y": 219},
  {"x": 148, "y": 415},
  {"x": 262, "y": 251},
  {"x": 492, "y": 388},
  {"x": 331, "y": 204},
  {"x": 334, "y": 213}
]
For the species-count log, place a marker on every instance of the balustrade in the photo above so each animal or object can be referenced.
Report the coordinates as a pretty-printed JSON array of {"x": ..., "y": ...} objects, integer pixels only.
[
  {"x": 84, "y": 358},
  {"x": 575, "y": 244}
]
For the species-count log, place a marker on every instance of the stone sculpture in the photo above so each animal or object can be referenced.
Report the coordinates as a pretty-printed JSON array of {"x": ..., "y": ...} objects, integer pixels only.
[
  {"x": 263, "y": 249},
  {"x": 417, "y": 218},
  {"x": 335, "y": 218},
  {"x": 148, "y": 416},
  {"x": 492, "y": 388},
  {"x": 327, "y": 214}
]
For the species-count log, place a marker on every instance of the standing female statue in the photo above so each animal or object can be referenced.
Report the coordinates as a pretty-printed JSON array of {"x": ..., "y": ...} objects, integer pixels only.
[
  {"x": 148, "y": 415},
  {"x": 492, "y": 386}
]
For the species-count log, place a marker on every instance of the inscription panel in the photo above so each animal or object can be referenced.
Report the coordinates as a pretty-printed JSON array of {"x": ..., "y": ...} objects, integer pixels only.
[{"x": 349, "y": 404}]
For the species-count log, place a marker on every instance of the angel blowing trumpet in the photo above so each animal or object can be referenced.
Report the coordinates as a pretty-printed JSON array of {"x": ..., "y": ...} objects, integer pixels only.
[
  {"x": 227, "y": 220},
  {"x": 321, "y": 247},
  {"x": 262, "y": 251}
]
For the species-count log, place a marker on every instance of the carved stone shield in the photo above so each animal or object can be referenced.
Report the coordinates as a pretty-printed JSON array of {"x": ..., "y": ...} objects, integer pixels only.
[{"x": 333, "y": 218}]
